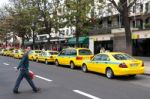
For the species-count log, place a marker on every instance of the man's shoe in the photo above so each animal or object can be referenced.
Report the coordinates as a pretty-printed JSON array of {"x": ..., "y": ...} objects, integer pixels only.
[
  {"x": 37, "y": 90},
  {"x": 16, "y": 92}
]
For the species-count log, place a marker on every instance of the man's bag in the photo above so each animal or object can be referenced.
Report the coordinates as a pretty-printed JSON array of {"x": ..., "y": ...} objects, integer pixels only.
[{"x": 31, "y": 74}]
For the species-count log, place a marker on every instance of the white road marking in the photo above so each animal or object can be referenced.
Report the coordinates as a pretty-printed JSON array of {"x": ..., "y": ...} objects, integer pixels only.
[
  {"x": 49, "y": 80},
  {"x": 86, "y": 94},
  {"x": 5, "y": 63},
  {"x": 43, "y": 78},
  {"x": 15, "y": 67}
]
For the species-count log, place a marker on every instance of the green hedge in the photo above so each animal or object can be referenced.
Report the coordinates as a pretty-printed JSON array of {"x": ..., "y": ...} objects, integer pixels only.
[{"x": 147, "y": 25}]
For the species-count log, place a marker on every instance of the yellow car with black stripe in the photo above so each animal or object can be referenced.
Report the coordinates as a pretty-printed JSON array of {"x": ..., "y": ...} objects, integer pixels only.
[
  {"x": 18, "y": 54},
  {"x": 33, "y": 54},
  {"x": 47, "y": 56},
  {"x": 114, "y": 64},
  {"x": 73, "y": 57}
]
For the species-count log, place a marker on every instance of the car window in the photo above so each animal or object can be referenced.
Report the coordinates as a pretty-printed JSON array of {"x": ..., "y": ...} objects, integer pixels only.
[
  {"x": 122, "y": 56},
  {"x": 97, "y": 58},
  {"x": 16, "y": 51},
  {"x": 73, "y": 52},
  {"x": 85, "y": 52},
  {"x": 101, "y": 57},
  {"x": 53, "y": 53},
  {"x": 44, "y": 54},
  {"x": 68, "y": 52},
  {"x": 105, "y": 57},
  {"x": 37, "y": 51},
  {"x": 62, "y": 53}
]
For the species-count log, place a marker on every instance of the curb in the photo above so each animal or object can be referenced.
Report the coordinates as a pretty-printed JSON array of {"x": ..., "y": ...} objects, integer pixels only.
[{"x": 147, "y": 73}]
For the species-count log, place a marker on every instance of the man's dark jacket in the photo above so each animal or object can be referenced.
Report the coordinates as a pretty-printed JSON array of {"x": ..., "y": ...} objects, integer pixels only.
[{"x": 24, "y": 63}]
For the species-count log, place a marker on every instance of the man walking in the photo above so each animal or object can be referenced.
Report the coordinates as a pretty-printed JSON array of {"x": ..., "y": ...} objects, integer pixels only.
[{"x": 24, "y": 73}]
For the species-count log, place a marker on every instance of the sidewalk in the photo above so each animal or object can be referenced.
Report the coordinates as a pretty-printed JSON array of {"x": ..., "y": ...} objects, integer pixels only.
[{"x": 146, "y": 63}]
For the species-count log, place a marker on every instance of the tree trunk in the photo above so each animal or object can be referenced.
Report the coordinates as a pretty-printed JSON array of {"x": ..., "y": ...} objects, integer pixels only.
[
  {"x": 126, "y": 23},
  {"x": 77, "y": 35},
  {"x": 33, "y": 46},
  {"x": 23, "y": 39}
]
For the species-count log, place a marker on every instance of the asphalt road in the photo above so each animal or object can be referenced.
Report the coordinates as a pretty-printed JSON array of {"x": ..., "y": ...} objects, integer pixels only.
[{"x": 64, "y": 83}]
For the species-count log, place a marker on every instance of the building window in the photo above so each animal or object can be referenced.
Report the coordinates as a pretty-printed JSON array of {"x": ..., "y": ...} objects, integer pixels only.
[
  {"x": 147, "y": 7},
  {"x": 67, "y": 32}
]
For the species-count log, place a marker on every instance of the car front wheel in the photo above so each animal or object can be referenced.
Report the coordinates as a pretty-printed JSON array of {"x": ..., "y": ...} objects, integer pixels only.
[
  {"x": 84, "y": 68},
  {"x": 46, "y": 62},
  {"x": 56, "y": 63}
]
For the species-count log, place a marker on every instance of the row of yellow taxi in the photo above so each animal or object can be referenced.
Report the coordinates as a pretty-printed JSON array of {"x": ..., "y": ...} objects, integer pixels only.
[
  {"x": 16, "y": 53},
  {"x": 110, "y": 63}
]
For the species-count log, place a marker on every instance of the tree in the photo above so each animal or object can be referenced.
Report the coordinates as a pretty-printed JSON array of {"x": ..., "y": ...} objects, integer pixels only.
[
  {"x": 77, "y": 14},
  {"x": 48, "y": 14},
  {"x": 123, "y": 8},
  {"x": 24, "y": 13}
]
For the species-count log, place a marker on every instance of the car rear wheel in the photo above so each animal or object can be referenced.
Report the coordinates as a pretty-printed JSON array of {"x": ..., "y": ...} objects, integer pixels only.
[
  {"x": 84, "y": 68},
  {"x": 56, "y": 63},
  {"x": 109, "y": 73},
  {"x": 72, "y": 66}
]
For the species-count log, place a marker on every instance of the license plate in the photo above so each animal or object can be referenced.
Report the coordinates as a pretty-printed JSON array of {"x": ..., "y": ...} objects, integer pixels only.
[
  {"x": 133, "y": 65},
  {"x": 86, "y": 58}
]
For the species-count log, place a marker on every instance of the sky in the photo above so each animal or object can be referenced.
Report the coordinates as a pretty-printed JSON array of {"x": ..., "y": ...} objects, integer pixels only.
[{"x": 2, "y": 2}]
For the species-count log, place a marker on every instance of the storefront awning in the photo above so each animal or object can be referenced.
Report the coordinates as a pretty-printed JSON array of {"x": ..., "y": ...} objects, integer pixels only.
[{"x": 82, "y": 40}]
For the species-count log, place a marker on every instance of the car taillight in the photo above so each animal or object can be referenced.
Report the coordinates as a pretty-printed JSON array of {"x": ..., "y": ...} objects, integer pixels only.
[
  {"x": 123, "y": 65},
  {"x": 79, "y": 58},
  {"x": 142, "y": 64}
]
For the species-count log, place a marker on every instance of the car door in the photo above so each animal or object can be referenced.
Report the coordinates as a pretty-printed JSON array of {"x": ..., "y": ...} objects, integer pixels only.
[
  {"x": 61, "y": 57},
  {"x": 30, "y": 55},
  {"x": 68, "y": 57},
  {"x": 40, "y": 56},
  {"x": 94, "y": 63},
  {"x": 102, "y": 63},
  {"x": 43, "y": 56}
]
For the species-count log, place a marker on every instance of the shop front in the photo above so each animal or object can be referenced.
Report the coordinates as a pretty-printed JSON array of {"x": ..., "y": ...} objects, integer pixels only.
[
  {"x": 83, "y": 42},
  {"x": 100, "y": 41},
  {"x": 141, "y": 43}
]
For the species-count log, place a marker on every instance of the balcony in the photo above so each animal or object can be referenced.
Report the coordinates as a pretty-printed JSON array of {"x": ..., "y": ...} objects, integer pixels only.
[{"x": 97, "y": 31}]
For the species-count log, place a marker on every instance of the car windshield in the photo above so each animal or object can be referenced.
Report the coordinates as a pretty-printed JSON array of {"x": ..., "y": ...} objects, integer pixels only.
[
  {"x": 85, "y": 52},
  {"x": 122, "y": 57}
]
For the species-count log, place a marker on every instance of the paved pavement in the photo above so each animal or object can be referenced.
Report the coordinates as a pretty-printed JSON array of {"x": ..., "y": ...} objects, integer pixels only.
[
  {"x": 64, "y": 83},
  {"x": 146, "y": 63}
]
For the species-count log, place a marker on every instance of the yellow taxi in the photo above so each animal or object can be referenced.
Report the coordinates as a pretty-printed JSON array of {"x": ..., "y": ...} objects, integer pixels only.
[
  {"x": 18, "y": 53},
  {"x": 5, "y": 52},
  {"x": 47, "y": 56},
  {"x": 33, "y": 54},
  {"x": 73, "y": 57},
  {"x": 114, "y": 64},
  {"x": 12, "y": 53}
]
